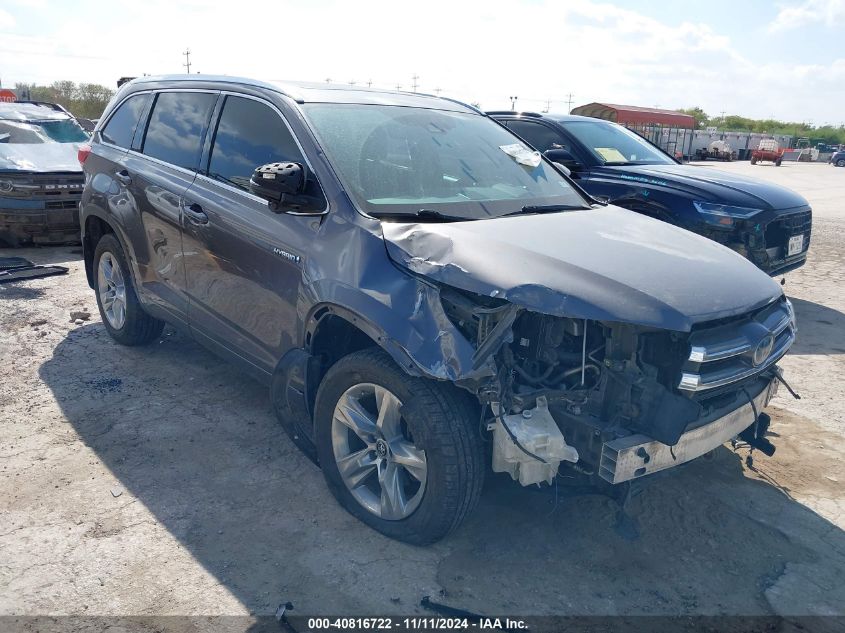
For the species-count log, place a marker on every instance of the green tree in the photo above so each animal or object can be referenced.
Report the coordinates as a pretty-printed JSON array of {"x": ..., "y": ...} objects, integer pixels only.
[
  {"x": 82, "y": 100},
  {"x": 701, "y": 117}
]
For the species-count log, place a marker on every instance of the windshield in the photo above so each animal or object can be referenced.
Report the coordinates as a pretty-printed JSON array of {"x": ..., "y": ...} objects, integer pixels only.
[
  {"x": 52, "y": 131},
  {"x": 400, "y": 160},
  {"x": 613, "y": 144}
]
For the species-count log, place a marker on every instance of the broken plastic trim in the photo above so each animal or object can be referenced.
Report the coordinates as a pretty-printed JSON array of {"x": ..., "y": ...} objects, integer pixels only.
[
  {"x": 498, "y": 334},
  {"x": 22, "y": 273}
]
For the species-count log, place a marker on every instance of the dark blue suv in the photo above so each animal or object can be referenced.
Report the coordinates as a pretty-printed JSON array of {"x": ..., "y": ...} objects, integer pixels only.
[
  {"x": 768, "y": 224},
  {"x": 838, "y": 158}
]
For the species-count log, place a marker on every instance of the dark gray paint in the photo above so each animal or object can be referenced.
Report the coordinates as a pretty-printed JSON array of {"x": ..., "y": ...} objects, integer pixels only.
[
  {"x": 605, "y": 264},
  {"x": 598, "y": 264}
]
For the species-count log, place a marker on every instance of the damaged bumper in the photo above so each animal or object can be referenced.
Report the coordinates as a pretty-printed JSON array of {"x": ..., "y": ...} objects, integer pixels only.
[
  {"x": 775, "y": 241},
  {"x": 40, "y": 207},
  {"x": 38, "y": 221},
  {"x": 634, "y": 456}
]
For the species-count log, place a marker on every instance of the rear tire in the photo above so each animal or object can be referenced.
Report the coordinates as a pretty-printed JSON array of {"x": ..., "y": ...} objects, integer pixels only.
[
  {"x": 778, "y": 162},
  {"x": 433, "y": 422},
  {"x": 120, "y": 310},
  {"x": 753, "y": 160}
]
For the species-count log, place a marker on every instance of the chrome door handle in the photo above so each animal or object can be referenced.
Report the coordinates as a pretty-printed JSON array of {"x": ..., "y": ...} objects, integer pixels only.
[
  {"x": 124, "y": 177},
  {"x": 195, "y": 213}
]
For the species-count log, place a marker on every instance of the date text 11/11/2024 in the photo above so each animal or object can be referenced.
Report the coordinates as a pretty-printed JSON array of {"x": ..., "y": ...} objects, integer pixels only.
[{"x": 416, "y": 624}]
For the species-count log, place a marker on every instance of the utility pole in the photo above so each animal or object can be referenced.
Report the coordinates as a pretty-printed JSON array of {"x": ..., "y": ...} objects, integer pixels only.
[
  {"x": 398, "y": 87},
  {"x": 569, "y": 99},
  {"x": 328, "y": 80},
  {"x": 415, "y": 81},
  {"x": 369, "y": 83},
  {"x": 437, "y": 91},
  {"x": 548, "y": 105},
  {"x": 187, "y": 63},
  {"x": 513, "y": 103},
  {"x": 351, "y": 82}
]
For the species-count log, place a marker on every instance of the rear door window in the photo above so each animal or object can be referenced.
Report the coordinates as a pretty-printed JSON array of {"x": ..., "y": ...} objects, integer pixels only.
[
  {"x": 121, "y": 126},
  {"x": 249, "y": 134},
  {"x": 176, "y": 127},
  {"x": 539, "y": 136}
]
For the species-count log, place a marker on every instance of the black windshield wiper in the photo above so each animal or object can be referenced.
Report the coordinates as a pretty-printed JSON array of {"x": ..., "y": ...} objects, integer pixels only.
[
  {"x": 423, "y": 214},
  {"x": 545, "y": 208}
]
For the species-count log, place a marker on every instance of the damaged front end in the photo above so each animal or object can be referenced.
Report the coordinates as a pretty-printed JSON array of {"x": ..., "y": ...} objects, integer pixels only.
[
  {"x": 611, "y": 399},
  {"x": 776, "y": 241}
]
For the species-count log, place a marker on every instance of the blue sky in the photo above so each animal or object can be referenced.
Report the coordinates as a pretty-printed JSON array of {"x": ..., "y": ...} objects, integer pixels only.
[{"x": 746, "y": 57}]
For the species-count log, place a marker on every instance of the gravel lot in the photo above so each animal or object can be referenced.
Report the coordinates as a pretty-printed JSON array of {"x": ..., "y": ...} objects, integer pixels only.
[{"x": 156, "y": 481}]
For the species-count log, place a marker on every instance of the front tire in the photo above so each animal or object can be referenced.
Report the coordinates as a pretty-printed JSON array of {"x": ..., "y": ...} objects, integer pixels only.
[
  {"x": 840, "y": 162},
  {"x": 120, "y": 310},
  {"x": 401, "y": 454}
]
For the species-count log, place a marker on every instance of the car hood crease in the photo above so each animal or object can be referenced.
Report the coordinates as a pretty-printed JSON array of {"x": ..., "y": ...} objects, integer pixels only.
[{"x": 605, "y": 264}]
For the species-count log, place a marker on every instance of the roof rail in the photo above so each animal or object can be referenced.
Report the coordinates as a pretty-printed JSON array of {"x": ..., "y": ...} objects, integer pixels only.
[
  {"x": 282, "y": 87},
  {"x": 463, "y": 103},
  {"x": 536, "y": 115}
]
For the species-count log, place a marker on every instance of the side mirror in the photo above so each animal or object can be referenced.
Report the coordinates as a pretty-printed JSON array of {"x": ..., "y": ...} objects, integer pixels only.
[
  {"x": 283, "y": 186},
  {"x": 274, "y": 180},
  {"x": 562, "y": 157},
  {"x": 566, "y": 171}
]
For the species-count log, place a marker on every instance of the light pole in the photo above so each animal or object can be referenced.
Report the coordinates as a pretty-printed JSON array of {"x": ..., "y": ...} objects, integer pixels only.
[{"x": 513, "y": 103}]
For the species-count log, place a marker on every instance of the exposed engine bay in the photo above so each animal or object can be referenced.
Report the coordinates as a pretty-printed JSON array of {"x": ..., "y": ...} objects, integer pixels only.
[{"x": 576, "y": 391}]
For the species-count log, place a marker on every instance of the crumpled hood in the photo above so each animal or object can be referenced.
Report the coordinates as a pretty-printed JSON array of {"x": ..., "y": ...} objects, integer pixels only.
[
  {"x": 604, "y": 264},
  {"x": 704, "y": 183},
  {"x": 39, "y": 157}
]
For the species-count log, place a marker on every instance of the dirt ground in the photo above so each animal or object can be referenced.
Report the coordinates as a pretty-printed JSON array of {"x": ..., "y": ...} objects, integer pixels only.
[{"x": 156, "y": 481}]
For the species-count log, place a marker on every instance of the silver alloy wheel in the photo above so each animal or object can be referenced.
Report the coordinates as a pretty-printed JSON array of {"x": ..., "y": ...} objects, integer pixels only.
[
  {"x": 112, "y": 290},
  {"x": 375, "y": 453}
]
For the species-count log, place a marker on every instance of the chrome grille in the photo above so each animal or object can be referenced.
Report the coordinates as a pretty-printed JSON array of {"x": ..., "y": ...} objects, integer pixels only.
[{"x": 734, "y": 352}]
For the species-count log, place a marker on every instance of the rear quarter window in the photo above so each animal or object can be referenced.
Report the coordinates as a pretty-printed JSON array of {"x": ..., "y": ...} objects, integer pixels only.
[
  {"x": 176, "y": 127},
  {"x": 121, "y": 126}
]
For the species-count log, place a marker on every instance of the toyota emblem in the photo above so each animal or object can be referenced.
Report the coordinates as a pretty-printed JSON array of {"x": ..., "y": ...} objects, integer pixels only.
[{"x": 763, "y": 349}]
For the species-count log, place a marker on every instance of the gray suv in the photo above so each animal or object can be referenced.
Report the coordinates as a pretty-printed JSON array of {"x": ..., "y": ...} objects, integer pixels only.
[{"x": 426, "y": 297}]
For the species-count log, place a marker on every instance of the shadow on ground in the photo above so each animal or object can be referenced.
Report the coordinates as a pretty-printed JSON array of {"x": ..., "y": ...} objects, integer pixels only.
[
  {"x": 821, "y": 330},
  {"x": 195, "y": 442},
  {"x": 45, "y": 255}
]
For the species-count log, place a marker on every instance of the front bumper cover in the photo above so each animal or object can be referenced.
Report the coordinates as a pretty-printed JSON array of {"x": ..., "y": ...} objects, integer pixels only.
[
  {"x": 633, "y": 456},
  {"x": 30, "y": 221}
]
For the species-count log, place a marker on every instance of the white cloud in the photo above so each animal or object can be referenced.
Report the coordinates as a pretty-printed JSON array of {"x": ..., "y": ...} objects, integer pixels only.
[
  {"x": 474, "y": 51},
  {"x": 791, "y": 16},
  {"x": 7, "y": 20}
]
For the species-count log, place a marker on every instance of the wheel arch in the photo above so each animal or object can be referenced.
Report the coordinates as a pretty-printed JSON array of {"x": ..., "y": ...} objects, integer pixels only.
[
  {"x": 94, "y": 227},
  {"x": 331, "y": 332}
]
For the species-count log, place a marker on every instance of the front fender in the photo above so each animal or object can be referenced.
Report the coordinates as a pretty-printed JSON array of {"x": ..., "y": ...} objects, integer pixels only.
[{"x": 409, "y": 323}]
